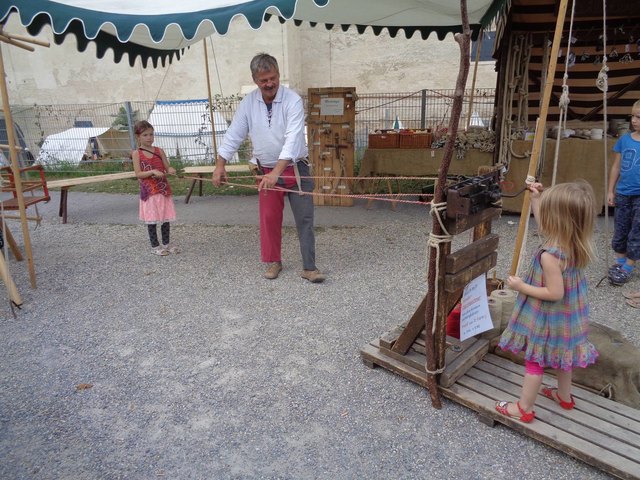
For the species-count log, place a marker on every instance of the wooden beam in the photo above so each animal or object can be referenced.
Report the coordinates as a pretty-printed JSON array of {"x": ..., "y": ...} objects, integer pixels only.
[
  {"x": 466, "y": 256},
  {"x": 9, "y": 283},
  {"x": 457, "y": 281},
  {"x": 540, "y": 130},
  {"x": 22, "y": 38},
  {"x": 72, "y": 182},
  {"x": 15, "y": 43}
]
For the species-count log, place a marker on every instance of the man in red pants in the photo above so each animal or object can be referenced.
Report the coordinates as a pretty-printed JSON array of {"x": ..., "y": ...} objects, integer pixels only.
[{"x": 273, "y": 117}]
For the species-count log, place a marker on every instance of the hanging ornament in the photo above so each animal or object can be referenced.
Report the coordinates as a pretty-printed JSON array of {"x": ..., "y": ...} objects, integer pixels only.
[
  {"x": 585, "y": 56},
  {"x": 571, "y": 61},
  {"x": 614, "y": 53},
  {"x": 626, "y": 58},
  {"x": 602, "y": 80},
  {"x": 600, "y": 43},
  {"x": 598, "y": 60}
]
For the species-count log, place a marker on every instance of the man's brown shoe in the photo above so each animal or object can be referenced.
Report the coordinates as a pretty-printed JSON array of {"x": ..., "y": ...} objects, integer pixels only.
[
  {"x": 314, "y": 276},
  {"x": 273, "y": 270}
]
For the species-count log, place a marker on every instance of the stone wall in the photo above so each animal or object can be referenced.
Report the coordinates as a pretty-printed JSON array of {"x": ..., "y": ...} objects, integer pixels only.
[{"x": 309, "y": 57}]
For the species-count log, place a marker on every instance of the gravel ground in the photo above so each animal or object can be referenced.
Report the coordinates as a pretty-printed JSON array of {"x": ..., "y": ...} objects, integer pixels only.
[{"x": 201, "y": 369}]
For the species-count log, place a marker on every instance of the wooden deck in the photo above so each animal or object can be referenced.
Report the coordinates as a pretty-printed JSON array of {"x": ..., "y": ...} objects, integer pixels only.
[{"x": 598, "y": 431}]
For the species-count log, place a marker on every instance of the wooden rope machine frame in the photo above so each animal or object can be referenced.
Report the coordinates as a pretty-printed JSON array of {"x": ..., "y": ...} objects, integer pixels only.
[{"x": 20, "y": 42}]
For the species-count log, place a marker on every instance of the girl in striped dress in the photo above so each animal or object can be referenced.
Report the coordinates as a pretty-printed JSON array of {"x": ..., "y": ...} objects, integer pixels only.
[
  {"x": 156, "y": 201},
  {"x": 550, "y": 318}
]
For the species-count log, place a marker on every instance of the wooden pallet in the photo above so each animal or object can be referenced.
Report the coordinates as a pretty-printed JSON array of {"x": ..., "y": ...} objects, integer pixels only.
[{"x": 598, "y": 431}]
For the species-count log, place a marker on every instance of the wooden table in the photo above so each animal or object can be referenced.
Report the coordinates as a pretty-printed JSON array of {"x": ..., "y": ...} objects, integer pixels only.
[{"x": 418, "y": 162}]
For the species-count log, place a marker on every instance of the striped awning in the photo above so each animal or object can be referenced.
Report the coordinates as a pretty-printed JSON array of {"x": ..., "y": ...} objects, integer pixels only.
[{"x": 160, "y": 30}]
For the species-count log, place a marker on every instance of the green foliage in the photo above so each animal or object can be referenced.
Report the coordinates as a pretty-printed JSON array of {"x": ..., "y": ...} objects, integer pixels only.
[{"x": 121, "y": 121}]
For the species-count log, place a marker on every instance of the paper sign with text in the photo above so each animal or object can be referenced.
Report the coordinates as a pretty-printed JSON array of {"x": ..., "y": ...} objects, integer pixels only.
[
  {"x": 474, "y": 316},
  {"x": 331, "y": 106}
]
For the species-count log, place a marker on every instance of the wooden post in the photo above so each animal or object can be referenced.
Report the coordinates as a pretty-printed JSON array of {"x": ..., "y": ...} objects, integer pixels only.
[
  {"x": 436, "y": 327},
  {"x": 14, "y": 296},
  {"x": 211, "y": 113},
  {"x": 540, "y": 131},
  {"x": 15, "y": 167}
]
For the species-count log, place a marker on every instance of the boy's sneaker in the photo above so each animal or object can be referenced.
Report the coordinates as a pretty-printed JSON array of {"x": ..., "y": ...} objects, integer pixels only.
[
  {"x": 617, "y": 265},
  {"x": 619, "y": 276},
  {"x": 614, "y": 268}
]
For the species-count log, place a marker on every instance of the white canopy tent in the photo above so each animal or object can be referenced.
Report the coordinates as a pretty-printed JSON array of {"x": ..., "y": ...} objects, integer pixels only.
[
  {"x": 81, "y": 143},
  {"x": 183, "y": 129}
]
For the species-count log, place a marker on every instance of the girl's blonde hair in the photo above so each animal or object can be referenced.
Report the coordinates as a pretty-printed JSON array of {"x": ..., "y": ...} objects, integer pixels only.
[{"x": 567, "y": 214}]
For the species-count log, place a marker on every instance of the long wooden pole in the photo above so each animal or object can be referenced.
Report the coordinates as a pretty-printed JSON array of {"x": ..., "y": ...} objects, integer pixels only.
[
  {"x": 540, "y": 130},
  {"x": 14, "y": 296},
  {"x": 15, "y": 167},
  {"x": 213, "y": 118},
  {"x": 435, "y": 325}
]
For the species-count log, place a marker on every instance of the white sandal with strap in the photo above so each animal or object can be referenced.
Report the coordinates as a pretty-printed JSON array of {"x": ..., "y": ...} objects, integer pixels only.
[
  {"x": 160, "y": 250},
  {"x": 171, "y": 248}
]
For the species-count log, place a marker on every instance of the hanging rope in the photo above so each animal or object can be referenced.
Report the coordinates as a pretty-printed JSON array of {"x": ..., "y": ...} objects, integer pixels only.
[
  {"x": 529, "y": 181},
  {"x": 602, "y": 82},
  {"x": 505, "y": 124},
  {"x": 564, "y": 98}
]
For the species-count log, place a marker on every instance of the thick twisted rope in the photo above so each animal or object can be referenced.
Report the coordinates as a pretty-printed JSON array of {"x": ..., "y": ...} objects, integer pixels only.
[
  {"x": 434, "y": 241},
  {"x": 377, "y": 196}
]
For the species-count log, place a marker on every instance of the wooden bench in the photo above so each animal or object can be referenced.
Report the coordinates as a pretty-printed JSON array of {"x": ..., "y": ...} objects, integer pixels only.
[
  {"x": 67, "y": 183},
  {"x": 202, "y": 170}
]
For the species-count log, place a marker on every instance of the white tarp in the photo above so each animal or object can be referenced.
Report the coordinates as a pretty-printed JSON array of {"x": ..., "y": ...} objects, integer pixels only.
[
  {"x": 183, "y": 129},
  {"x": 70, "y": 146}
]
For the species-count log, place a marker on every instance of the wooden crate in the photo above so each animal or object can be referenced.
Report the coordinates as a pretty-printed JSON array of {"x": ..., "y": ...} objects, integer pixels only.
[
  {"x": 384, "y": 140},
  {"x": 420, "y": 139}
]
